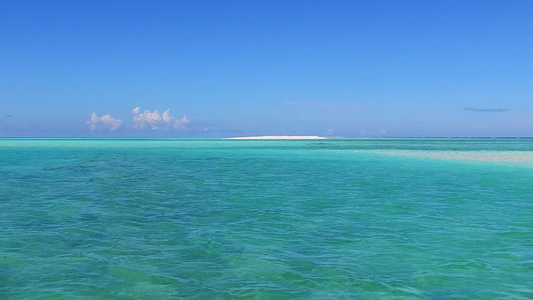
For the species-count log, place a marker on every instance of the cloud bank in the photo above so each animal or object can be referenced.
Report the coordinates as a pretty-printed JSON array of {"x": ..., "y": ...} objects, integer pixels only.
[
  {"x": 153, "y": 120},
  {"x": 486, "y": 109},
  {"x": 105, "y": 122}
]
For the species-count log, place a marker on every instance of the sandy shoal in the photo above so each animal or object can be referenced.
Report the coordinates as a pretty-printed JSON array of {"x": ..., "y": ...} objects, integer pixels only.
[{"x": 278, "y": 137}]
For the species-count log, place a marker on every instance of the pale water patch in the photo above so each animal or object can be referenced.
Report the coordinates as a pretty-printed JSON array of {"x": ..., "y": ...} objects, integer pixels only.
[{"x": 516, "y": 157}]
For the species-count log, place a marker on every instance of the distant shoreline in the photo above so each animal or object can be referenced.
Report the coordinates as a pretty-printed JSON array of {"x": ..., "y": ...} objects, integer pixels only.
[{"x": 279, "y": 137}]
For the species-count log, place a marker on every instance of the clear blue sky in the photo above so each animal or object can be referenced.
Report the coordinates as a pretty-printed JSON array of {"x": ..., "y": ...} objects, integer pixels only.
[{"x": 234, "y": 68}]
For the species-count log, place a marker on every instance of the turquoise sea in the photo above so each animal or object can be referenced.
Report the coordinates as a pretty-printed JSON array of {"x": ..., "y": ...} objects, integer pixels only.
[{"x": 228, "y": 219}]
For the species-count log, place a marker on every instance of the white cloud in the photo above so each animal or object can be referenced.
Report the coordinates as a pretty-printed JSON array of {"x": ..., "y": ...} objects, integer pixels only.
[
  {"x": 105, "y": 122},
  {"x": 166, "y": 116},
  {"x": 146, "y": 119},
  {"x": 181, "y": 123},
  {"x": 155, "y": 120}
]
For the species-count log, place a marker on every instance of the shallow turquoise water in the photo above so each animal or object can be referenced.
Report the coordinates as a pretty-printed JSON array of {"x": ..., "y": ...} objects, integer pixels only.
[{"x": 321, "y": 219}]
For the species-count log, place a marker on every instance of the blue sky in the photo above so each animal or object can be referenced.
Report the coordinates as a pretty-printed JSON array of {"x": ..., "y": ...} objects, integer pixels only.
[{"x": 237, "y": 68}]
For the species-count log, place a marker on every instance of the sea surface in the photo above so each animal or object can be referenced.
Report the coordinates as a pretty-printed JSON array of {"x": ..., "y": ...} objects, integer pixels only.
[{"x": 231, "y": 219}]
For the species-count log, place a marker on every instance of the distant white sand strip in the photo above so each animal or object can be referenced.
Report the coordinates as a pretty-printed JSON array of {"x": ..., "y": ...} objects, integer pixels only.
[
  {"x": 279, "y": 137},
  {"x": 519, "y": 157}
]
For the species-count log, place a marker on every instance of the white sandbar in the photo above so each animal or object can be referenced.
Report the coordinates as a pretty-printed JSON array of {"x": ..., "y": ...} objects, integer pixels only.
[{"x": 279, "y": 137}]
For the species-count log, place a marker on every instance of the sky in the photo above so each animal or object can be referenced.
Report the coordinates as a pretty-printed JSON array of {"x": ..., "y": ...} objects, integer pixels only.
[{"x": 239, "y": 68}]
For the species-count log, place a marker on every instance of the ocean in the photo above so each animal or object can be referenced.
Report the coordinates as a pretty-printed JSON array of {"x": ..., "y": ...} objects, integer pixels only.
[{"x": 237, "y": 219}]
